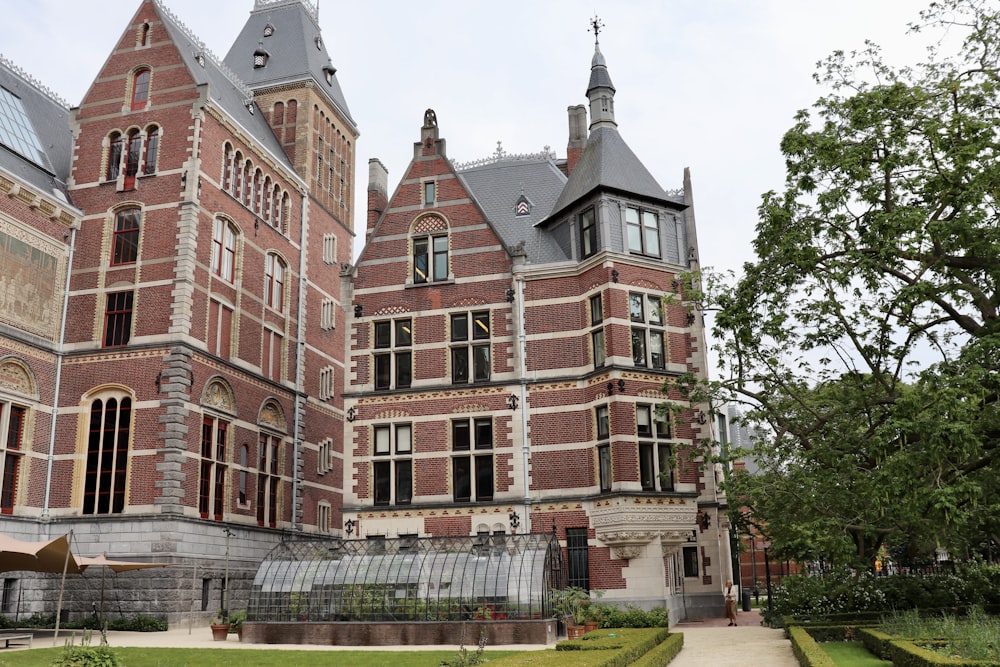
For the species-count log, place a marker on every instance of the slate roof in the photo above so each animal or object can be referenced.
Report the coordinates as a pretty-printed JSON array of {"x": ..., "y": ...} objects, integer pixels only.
[
  {"x": 296, "y": 50},
  {"x": 609, "y": 164},
  {"x": 50, "y": 120},
  {"x": 225, "y": 88},
  {"x": 497, "y": 186}
]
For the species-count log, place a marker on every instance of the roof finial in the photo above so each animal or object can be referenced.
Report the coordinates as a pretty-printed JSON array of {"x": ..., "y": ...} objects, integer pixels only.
[{"x": 596, "y": 24}]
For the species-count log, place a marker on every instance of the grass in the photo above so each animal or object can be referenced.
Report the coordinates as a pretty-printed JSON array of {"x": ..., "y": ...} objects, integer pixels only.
[
  {"x": 190, "y": 657},
  {"x": 852, "y": 654},
  {"x": 971, "y": 638}
]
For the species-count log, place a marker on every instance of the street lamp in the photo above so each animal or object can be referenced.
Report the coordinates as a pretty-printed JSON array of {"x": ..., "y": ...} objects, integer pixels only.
[{"x": 225, "y": 589}]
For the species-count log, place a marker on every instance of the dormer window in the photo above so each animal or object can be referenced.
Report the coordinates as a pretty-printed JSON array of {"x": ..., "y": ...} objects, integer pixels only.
[
  {"x": 200, "y": 59},
  {"x": 328, "y": 72},
  {"x": 268, "y": 30},
  {"x": 260, "y": 57},
  {"x": 522, "y": 207},
  {"x": 319, "y": 42}
]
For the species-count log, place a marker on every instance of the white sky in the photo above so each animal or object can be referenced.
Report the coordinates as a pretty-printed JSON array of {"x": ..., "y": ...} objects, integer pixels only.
[{"x": 706, "y": 84}]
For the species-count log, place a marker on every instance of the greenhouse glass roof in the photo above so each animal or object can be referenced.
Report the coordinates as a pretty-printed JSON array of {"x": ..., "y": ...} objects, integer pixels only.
[{"x": 407, "y": 579}]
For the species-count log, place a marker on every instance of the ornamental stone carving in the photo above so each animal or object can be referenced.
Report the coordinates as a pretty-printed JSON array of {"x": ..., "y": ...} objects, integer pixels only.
[
  {"x": 628, "y": 523},
  {"x": 218, "y": 395}
]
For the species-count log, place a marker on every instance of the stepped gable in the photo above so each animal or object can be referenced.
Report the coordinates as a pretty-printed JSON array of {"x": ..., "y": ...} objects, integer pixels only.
[
  {"x": 225, "y": 88},
  {"x": 36, "y": 145},
  {"x": 286, "y": 34}
]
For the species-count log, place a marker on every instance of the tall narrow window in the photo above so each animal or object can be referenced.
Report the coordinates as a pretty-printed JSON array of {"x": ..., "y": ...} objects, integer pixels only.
[
  {"x": 140, "y": 89},
  {"x": 605, "y": 471},
  {"x": 578, "y": 556},
  {"x": 118, "y": 319},
  {"x": 243, "y": 495},
  {"x": 125, "y": 239},
  {"x": 326, "y": 387},
  {"x": 430, "y": 259},
  {"x": 227, "y": 168},
  {"x": 132, "y": 159},
  {"x": 393, "y": 358},
  {"x": 648, "y": 338},
  {"x": 274, "y": 282},
  {"x": 597, "y": 333},
  {"x": 152, "y": 150},
  {"x": 12, "y": 418},
  {"x": 472, "y": 461},
  {"x": 223, "y": 249},
  {"x": 106, "y": 469},
  {"x": 430, "y": 192},
  {"x": 470, "y": 351},
  {"x": 392, "y": 466},
  {"x": 268, "y": 479},
  {"x": 114, "y": 156},
  {"x": 690, "y": 561},
  {"x": 588, "y": 233},
  {"x": 272, "y": 354},
  {"x": 212, "y": 478},
  {"x": 220, "y": 328}
]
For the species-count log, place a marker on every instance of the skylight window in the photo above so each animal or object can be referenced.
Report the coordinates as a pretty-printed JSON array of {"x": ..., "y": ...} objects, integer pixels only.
[{"x": 16, "y": 131}]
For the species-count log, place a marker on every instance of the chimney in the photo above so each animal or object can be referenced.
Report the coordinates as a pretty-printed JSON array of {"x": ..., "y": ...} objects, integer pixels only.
[
  {"x": 577, "y": 136},
  {"x": 378, "y": 189}
]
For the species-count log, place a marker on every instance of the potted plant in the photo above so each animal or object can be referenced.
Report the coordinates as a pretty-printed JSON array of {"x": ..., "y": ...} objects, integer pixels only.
[
  {"x": 569, "y": 603},
  {"x": 236, "y": 623},
  {"x": 220, "y": 627}
]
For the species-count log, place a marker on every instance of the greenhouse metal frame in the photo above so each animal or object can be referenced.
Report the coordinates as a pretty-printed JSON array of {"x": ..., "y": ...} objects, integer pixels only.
[{"x": 481, "y": 577}]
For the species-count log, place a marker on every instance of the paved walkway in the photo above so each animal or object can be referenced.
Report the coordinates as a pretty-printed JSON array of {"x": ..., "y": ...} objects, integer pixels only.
[{"x": 711, "y": 642}]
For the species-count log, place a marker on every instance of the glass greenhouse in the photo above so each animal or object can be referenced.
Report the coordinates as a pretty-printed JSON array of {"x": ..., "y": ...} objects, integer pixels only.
[{"x": 407, "y": 579}]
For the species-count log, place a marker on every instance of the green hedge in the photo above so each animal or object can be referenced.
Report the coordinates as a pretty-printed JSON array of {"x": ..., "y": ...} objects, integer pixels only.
[
  {"x": 905, "y": 653},
  {"x": 876, "y": 641},
  {"x": 662, "y": 654},
  {"x": 601, "y": 648},
  {"x": 807, "y": 651}
]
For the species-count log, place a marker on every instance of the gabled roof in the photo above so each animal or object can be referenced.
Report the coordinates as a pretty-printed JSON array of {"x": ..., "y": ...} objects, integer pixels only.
[
  {"x": 225, "y": 88},
  {"x": 294, "y": 47},
  {"x": 498, "y": 185},
  {"x": 609, "y": 164},
  {"x": 46, "y": 163}
]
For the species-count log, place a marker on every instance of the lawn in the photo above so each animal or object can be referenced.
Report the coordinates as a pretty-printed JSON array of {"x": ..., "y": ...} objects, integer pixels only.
[
  {"x": 189, "y": 657},
  {"x": 850, "y": 654}
]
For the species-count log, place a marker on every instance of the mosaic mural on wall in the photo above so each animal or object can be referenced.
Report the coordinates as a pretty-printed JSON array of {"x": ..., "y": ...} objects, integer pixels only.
[{"x": 32, "y": 273}]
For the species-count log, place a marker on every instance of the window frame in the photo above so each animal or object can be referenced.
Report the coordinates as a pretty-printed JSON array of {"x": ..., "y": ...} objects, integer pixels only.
[
  {"x": 225, "y": 239},
  {"x": 588, "y": 233},
  {"x": 141, "y": 88},
  {"x": 213, "y": 467},
  {"x": 473, "y": 448},
  {"x": 430, "y": 258},
  {"x": 106, "y": 469},
  {"x": 118, "y": 318},
  {"x": 643, "y": 232},
  {"x": 125, "y": 240},
  {"x": 471, "y": 346},
  {"x": 270, "y": 452},
  {"x": 655, "y": 449},
  {"x": 648, "y": 336},
  {"x": 392, "y": 364},
  {"x": 13, "y": 419},
  {"x": 392, "y": 464},
  {"x": 275, "y": 272}
]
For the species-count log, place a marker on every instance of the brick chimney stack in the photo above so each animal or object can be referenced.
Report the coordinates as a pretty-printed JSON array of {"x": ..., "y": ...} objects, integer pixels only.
[
  {"x": 378, "y": 192},
  {"x": 577, "y": 136}
]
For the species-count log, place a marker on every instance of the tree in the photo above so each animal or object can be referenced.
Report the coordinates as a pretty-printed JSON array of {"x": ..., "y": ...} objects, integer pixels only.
[{"x": 864, "y": 338}]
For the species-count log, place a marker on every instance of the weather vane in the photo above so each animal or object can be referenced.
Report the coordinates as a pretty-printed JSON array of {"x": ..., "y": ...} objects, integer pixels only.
[{"x": 596, "y": 24}]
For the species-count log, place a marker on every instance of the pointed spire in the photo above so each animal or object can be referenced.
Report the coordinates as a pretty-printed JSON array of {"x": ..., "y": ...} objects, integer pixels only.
[{"x": 600, "y": 91}]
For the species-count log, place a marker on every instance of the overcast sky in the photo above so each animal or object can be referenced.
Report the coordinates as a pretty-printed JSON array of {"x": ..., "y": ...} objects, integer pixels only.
[{"x": 708, "y": 84}]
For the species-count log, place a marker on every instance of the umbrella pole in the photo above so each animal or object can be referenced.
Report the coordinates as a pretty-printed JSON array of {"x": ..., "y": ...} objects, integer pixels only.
[{"x": 62, "y": 587}]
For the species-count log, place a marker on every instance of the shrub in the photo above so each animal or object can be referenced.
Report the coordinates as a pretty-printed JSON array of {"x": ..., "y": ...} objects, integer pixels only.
[{"x": 86, "y": 655}]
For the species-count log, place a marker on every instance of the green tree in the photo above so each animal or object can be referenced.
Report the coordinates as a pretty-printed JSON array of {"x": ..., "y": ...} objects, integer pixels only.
[{"x": 864, "y": 338}]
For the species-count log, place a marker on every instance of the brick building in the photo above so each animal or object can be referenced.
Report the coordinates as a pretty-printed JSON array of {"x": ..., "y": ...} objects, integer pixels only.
[
  {"x": 514, "y": 322},
  {"x": 192, "y": 369},
  {"x": 170, "y": 269}
]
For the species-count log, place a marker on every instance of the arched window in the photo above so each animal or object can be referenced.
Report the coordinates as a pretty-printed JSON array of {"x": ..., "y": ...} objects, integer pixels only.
[
  {"x": 274, "y": 282},
  {"x": 125, "y": 238},
  {"x": 152, "y": 149},
  {"x": 12, "y": 419},
  {"x": 283, "y": 212},
  {"x": 275, "y": 205},
  {"x": 265, "y": 208},
  {"x": 430, "y": 249},
  {"x": 224, "y": 249},
  {"x": 258, "y": 178},
  {"x": 140, "y": 89},
  {"x": 108, "y": 440},
  {"x": 247, "y": 185},
  {"x": 237, "y": 175},
  {"x": 114, "y": 156},
  {"x": 243, "y": 498},
  {"x": 144, "y": 35},
  {"x": 227, "y": 168},
  {"x": 132, "y": 159}
]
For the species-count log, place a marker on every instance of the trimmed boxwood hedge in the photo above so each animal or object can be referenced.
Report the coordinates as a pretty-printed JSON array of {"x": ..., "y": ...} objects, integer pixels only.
[
  {"x": 807, "y": 651},
  {"x": 596, "y": 649}
]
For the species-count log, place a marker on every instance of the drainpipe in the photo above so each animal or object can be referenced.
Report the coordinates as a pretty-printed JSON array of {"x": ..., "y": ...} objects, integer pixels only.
[
  {"x": 300, "y": 365},
  {"x": 523, "y": 372},
  {"x": 59, "y": 364}
]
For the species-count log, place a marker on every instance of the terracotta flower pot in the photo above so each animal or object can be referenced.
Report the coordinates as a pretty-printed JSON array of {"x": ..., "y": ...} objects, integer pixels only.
[
  {"x": 575, "y": 631},
  {"x": 220, "y": 631}
]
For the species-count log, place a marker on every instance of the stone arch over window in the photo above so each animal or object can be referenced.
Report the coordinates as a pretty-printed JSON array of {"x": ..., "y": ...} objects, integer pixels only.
[
  {"x": 151, "y": 150},
  {"x": 430, "y": 257},
  {"x": 271, "y": 415},
  {"x": 16, "y": 377},
  {"x": 126, "y": 225},
  {"x": 218, "y": 395},
  {"x": 113, "y": 155}
]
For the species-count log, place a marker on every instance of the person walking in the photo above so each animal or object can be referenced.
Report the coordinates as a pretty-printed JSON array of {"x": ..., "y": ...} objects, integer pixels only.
[{"x": 730, "y": 603}]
